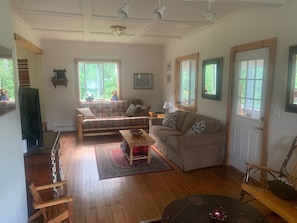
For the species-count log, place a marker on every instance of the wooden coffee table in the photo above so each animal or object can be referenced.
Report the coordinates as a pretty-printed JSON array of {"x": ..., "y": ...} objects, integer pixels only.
[{"x": 142, "y": 140}]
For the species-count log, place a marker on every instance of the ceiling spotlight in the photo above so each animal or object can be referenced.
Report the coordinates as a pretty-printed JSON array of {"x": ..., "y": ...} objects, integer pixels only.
[
  {"x": 208, "y": 13},
  {"x": 124, "y": 11},
  {"x": 118, "y": 30},
  {"x": 159, "y": 12}
]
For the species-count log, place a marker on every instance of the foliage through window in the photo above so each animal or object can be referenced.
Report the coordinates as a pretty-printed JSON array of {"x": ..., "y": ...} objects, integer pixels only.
[
  {"x": 212, "y": 78},
  {"x": 7, "y": 77},
  {"x": 186, "y": 82},
  {"x": 97, "y": 79}
]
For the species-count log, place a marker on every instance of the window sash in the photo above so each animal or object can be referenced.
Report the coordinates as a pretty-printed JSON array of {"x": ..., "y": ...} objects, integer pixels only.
[{"x": 186, "y": 68}]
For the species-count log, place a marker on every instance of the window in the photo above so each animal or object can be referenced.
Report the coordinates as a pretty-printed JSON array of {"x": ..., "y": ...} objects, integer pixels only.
[
  {"x": 98, "y": 79},
  {"x": 186, "y": 82},
  {"x": 291, "y": 98},
  {"x": 212, "y": 78},
  {"x": 251, "y": 74}
]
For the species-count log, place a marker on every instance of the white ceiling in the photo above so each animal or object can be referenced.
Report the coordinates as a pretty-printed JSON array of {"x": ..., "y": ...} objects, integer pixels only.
[{"x": 90, "y": 20}]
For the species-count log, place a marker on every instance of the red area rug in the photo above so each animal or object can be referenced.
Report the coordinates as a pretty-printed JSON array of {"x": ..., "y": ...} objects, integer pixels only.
[{"x": 112, "y": 162}]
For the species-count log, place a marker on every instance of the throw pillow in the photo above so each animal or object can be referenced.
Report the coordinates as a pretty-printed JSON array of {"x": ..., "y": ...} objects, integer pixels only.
[
  {"x": 197, "y": 127},
  {"x": 132, "y": 110},
  {"x": 170, "y": 120},
  {"x": 86, "y": 112},
  {"x": 144, "y": 109}
]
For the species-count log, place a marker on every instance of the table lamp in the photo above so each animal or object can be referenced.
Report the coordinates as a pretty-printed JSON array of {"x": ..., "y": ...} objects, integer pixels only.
[{"x": 167, "y": 105}]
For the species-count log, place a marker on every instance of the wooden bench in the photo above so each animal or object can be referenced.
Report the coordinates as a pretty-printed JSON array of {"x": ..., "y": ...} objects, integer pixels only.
[{"x": 285, "y": 209}]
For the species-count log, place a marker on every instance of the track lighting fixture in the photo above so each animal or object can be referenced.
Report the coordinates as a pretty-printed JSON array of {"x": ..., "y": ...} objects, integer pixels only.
[
  {"x": 124, "y": 11},
  {"x": 118, "y": 30},
  {"x": 208, "y": 13},
  {"x": 159, "y": 12}
]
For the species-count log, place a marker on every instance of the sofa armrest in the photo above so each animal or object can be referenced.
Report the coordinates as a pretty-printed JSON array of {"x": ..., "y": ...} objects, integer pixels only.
[
  {"x": 202, "y": 139},
  {"x": 155, "y": 121}
]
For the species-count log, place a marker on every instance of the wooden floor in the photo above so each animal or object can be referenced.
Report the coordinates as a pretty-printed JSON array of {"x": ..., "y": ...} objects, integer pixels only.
[{"x": 140, "y": 197}]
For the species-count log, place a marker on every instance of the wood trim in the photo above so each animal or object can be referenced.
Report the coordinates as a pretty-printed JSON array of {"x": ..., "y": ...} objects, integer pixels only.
[
  {"x": 177, "y": 82},
  {"x": 271, "y": 43},
  {"x": 21, "y": 41}
]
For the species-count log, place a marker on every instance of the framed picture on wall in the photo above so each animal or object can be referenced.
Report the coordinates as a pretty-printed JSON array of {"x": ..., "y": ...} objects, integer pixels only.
[
  {"x": 143, "y": 81},
  {"x": 169, "y": 66}
]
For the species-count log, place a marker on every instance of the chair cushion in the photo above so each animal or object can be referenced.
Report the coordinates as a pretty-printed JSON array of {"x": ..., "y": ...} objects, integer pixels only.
[{"x": 283, "y": 190}]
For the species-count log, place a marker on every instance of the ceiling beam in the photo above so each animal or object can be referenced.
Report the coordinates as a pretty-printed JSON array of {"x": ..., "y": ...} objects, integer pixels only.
[{"x": 21, "y": 41}]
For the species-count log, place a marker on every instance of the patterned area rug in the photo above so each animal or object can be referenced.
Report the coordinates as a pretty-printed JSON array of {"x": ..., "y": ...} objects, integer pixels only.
[{"x": 112, "y": 162}]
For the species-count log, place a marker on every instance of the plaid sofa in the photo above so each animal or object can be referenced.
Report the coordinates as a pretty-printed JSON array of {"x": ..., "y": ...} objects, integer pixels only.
[{"x": 108, "y": 117}]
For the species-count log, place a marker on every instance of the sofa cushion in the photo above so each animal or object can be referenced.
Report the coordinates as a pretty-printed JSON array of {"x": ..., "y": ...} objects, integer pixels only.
[
  {"x": 144, "y": 110},
  {"x": 203, "y": 139},
  {"x": 212, "y": 125},
  {"x": 133, "y": 110},
  {"x": 181, "y": 115},
  {"x": 115, "y": 122},
  {"x": 189, "y": 120},
  {"x": 86, "y": 112},
  {"x": 197, "y": 128},
  {"x": 155, "y": 129},
  {"x": 170, "y": 120},
  {"x": 163, "y": 135},
  {"x": 105, "y": 108}
]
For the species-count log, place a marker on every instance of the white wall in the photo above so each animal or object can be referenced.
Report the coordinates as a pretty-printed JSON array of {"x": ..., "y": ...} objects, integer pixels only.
[
  {"x": 21, "y": 29},
  {"x": 13, "y": 203},
  {"x": 61, "y": 102},
  {"x": 252, "y": 25}
]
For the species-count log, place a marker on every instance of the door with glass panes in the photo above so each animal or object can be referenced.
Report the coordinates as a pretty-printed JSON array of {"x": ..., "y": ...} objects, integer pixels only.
[{"x": 250, "y": 79}]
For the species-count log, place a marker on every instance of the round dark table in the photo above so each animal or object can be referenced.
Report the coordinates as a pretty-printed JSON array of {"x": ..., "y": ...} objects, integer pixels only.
[{"x": 196, "y": 209}]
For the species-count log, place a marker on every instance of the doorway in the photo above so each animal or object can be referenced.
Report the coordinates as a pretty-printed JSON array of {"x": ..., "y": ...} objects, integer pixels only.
[{"x": 249, "y": 102}]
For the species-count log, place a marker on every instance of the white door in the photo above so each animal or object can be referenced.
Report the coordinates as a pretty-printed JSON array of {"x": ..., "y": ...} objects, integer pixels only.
[{"x": 248, "y": 107}]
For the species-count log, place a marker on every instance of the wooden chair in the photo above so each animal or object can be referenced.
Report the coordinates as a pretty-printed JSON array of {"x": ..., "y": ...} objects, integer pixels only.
[
  {"x": 55, "y": 210},
  {"x": 285, "y": 208}
]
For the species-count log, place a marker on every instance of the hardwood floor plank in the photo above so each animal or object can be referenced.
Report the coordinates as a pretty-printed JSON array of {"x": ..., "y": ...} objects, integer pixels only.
[{"x": 131, "y": 199}]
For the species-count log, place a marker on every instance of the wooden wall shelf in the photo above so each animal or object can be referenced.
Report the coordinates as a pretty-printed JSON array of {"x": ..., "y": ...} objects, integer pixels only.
[
  {"x": 59, "y": 78},
  {"x": 59, "y": 82}
]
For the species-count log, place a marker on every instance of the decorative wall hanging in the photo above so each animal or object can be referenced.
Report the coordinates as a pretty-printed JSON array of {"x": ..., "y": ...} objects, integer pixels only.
[
  {"x": 59, "y": 77},
  {"x": 23, "y": 68},
  {"x": 169, "y": 66},
  {"x": 143, "y": 81}
]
